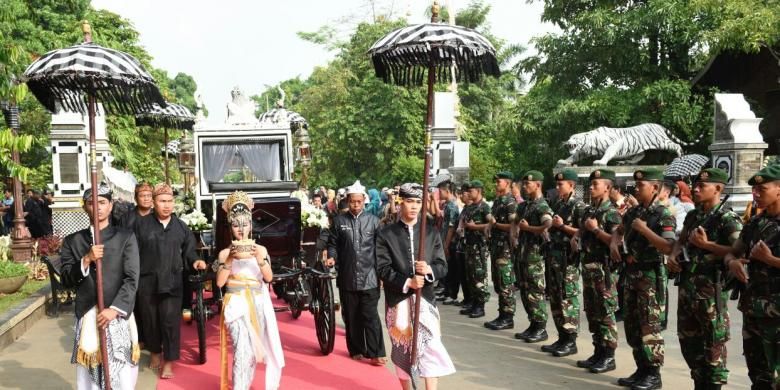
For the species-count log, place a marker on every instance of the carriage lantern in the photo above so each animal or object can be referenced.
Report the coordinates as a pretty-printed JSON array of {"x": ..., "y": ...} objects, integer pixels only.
[{"x": 186, "y": 159}]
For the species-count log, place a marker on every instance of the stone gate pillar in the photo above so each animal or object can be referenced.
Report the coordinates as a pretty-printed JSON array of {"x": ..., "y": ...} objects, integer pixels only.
[{"x": 737, "y": 146}]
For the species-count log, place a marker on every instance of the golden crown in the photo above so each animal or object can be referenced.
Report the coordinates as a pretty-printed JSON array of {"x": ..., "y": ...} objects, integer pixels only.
[{"x": 238, "y": 197}]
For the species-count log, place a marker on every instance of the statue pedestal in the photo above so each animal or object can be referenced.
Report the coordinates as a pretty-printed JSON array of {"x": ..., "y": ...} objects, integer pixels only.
[{"x": 737, "y": 146}]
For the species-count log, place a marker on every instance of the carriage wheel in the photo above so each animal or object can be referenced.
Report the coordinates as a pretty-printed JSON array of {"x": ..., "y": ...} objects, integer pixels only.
[
  {"x": 200, "y": 318},
  {"x": 325, "y": 317},
  {"x": 279, "y": 289},
  {"x": 294, "y": 298}
]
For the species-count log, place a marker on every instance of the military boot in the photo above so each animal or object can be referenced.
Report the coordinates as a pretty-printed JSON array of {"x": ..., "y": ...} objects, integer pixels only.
[
  {"x": 466, "y": 308},
  {"x": 568, "y": 347},
  {"x": 522, "y": 335},
  {"x": 504, "y": 321},
  {"x": 477, "y": 311},
  {"x": 593, "y": 358},
  {"x": 605, "y": 363},
  {"x": 633, "y": 378},
  {"x": 549, "y": 348},
  {"x": 491, "y": 324},
  {"x": 650, "y": 381},
  {"x": 539, "y": 333}
]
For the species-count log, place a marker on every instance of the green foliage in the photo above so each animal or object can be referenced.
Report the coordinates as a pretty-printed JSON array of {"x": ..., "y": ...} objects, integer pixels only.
[
  {"x": 10, "y": 269},
  {"x": 30, "y": 28}
]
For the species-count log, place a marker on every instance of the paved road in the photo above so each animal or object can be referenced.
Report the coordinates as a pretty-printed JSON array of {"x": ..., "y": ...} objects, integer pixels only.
[
  {"x": 484, "y": 359},
  {"x": 488, "y": 359}
]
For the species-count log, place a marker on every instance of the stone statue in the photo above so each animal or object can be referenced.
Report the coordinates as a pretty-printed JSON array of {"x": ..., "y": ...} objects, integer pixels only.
[
  {"x": 241, "y": 111},
  {"x": 199, "y": 115},
  {"x": 625, "y": 144}
]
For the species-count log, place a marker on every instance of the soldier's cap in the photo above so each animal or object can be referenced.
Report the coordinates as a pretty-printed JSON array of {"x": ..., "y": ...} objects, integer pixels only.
[
  {"x": 712, "y": 175},
  {"x": 770, "y": 172},
  {"x": 649, "y": 174},
  {"x": 504, "y": 175},
  {"x": 465, "y": 186},
  {"x": 602, "y": 174},
  {"x": 533, "y": 176},
  {"x": 476, "y": 184},
  {"x": 566, "y": 174}
]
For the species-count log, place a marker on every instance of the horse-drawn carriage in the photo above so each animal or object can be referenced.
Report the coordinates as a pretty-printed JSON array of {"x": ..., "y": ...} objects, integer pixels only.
[{"x": 256, "y": 156}]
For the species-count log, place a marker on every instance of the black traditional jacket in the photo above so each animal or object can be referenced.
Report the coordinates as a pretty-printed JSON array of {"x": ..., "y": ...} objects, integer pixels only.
[
  {"x": 395, "y": 250},
  {"x": 164, "y": 253},
  {"x": 351, "y": 244},
  {"x": 120, "y": 269}
]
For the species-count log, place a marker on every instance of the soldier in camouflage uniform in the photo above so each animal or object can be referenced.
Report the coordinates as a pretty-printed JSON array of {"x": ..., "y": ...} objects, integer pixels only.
[
  {"x": 708, "y": 233},
  {"x": 502, "y": 270},
  {"x": 759, "y": 303},
  {"x": 532, "y": 225},
  {"x": 477, "y": 256},
  {"x": 460, "y": 247},
  {"x": 599, "y": 294},
  {"x": 449, "y": 224},
  {"x": 648, "y": 231},
  {"x": 563, "y": 273}
]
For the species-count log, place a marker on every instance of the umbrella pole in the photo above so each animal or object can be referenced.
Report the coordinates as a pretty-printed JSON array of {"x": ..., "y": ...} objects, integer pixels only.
[
  {"x": 426, "y": 199},
  {"x": 165, "y": 145},
  {"x": 96, "y": 228}
]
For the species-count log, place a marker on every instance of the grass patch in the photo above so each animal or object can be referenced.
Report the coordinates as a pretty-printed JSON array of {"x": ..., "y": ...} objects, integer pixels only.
[{"x": 29, "y": 287}]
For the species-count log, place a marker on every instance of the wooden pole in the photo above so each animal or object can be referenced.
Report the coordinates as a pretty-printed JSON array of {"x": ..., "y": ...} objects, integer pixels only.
[
  {"x": 96, "y": 228},
  {"x": 165, "y": 145}
]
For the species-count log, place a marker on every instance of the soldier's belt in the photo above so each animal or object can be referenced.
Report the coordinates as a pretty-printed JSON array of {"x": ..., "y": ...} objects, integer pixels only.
[{"x": 475, "y": 240}]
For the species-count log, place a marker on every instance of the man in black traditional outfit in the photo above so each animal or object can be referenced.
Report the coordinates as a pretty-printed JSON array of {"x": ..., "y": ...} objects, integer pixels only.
[
  {"x": 119, "y": 251},
  {"x": 166, "y": 247},
  {"x": 351, "y": 250},
  {"x": 398, "y": 266},
  {"x": 143, "y": 206}
]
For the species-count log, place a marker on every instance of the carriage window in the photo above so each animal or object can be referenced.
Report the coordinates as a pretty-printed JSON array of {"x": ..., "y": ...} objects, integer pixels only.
[{"x": 245, "y": 162}]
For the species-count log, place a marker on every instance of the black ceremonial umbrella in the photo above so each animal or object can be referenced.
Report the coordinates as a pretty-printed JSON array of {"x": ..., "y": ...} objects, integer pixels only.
[
  {"x": 403, "y": 56},
  {"x": 173, "y": 116},
  {"x": 77, "y": 77},
  {"x": 687, "y": 165}
]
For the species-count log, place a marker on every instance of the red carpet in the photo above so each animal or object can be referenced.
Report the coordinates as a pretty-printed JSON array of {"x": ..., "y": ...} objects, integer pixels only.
[{"x": 306, "y": 367}]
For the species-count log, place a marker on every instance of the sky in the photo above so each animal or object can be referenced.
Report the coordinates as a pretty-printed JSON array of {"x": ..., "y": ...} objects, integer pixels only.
[{"x": 253, "y": 43}]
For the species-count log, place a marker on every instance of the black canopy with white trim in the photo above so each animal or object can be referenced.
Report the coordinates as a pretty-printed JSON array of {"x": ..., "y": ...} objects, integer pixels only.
[{"x": 403, "y": 56}]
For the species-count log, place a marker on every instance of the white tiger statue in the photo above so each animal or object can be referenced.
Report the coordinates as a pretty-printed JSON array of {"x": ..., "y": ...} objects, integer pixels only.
[{"x": 623, "y": 144}]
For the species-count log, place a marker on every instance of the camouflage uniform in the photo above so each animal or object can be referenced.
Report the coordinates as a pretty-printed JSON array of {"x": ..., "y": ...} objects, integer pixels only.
[
  {"x": 599, "y": 299},
  {"x": 502, "y": 271},
  {"x": 760, "y": 306},
  {"x": 645, "y": 283},
  {"x": 563, "y": 274},
  {"x": 702, "y": 327},
  {"x": 477, "y": 254},
  {"x": 530, "y": 265}
]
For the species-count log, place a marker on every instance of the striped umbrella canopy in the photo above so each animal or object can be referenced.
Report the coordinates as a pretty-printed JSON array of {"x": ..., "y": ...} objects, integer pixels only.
[
  {"x": 403, "y": 56},
  {"x": 172, "y": 116},
  {"x": 687, "y": 165},
  {"x": 112, "y": 77},
  {"x": 281, "y": 115}
]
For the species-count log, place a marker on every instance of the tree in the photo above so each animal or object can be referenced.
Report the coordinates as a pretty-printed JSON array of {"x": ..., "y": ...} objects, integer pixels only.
[{"x": 38, "y": 26}]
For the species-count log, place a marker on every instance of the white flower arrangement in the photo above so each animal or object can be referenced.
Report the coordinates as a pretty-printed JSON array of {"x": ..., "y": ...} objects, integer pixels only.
[
  {"x": 314, "y": 217},
  {"x": 196, "y": 220}
]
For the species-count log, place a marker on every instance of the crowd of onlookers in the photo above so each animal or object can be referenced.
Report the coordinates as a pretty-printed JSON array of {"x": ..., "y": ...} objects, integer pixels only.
[{"x": 37, "y": 212}]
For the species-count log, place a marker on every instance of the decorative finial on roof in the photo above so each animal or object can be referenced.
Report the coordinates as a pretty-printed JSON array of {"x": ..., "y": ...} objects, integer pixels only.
[{"x": 87, "y": 30}]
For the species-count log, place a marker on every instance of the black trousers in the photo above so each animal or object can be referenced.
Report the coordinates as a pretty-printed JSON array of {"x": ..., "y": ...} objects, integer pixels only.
[
  {"x": 454, "y": 272},
  {"x": 161, "y": 323},
  {"x": 361, "y": 322}
]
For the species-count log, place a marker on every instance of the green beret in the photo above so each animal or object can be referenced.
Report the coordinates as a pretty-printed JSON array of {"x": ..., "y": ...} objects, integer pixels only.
[
  {"x": 602, "y": 174},
  {"x": 712, "y": 175},
  {"x": 465, "y": 186},
  {"x": 770, "y": 172},
  {"x": 566, "y": 174},
  {"x": 532, "y": 176},
  {"x": 503, "y": 175},
  {"x": 649, "y": 174},
  {"x": 476, "y": 184}
]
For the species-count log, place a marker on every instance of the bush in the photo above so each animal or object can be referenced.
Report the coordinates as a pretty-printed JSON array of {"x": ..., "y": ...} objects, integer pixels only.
[{"x": 9, "y": 269}]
